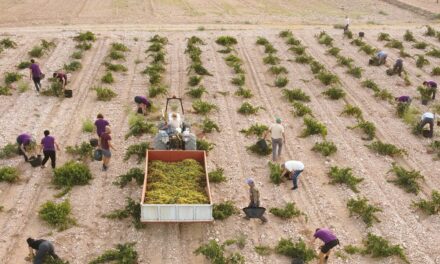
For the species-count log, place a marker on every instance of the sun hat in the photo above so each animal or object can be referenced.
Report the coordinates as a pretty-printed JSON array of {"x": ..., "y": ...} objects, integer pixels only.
[
  {"x": 278, "y": 120},
  {"x": 249, "y": 181}
]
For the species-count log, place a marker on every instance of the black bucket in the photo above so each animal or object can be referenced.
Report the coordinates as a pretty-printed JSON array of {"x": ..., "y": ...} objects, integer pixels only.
[
  {"x": 97, "y": 155},
  {"x": 427, "y": 133},
  {"x": 254, "y": 212},
  {"x": 68, "y": 93},
  {"x": 297, "y": 261},
  {"x": 361, "y": 34},
  {"x": 262, "y": 144},
  {"x": 35, "y": 161},
  {"x": 94, "y": 142}
]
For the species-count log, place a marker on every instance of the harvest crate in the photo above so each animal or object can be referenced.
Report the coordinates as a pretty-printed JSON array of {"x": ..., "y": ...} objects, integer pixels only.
[{"x": 176, "y": 212}]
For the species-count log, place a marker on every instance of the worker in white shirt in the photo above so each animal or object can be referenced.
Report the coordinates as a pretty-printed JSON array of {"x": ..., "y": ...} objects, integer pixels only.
[
  {"x": 294, "y": 169},
  {"x": 277, "y": 133},
  {"x": 428, "y": 118},
  {"x": 347, "y": 24}
]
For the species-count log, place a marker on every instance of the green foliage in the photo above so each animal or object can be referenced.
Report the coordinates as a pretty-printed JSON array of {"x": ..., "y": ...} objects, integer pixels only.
[
  {"x": 217, "y": 176},
  {"x": 394, "y": 43},
  {"x": 139, "y": 126},
  {"x": 239, "y": 80},
  {"x": 275, "y": 173},
  {"x": 386, "y": 149},
  {"x": 208, "y": 126},
  {"x": 73, "y": 66},
  {"x": 215, "y": 253},
  {"x": 55, "y": 89},
  {"x": 316, "y": 67},
  {"x": 285, "y": 34},
  {"x": 70, "y": 174},
  {"x": 224, "y": 210},
  {"x": 430, "y": 32},
  {"x": 281, "y": 81},
  {"x": 288, "y": 212},
  {"x": 263, "y": 250},
  {"x": 232, "y": 60},
  {"x": 83, "y": 151},
  {"x": 327, "y": 78},
  {"x": 85, "y": 36},
  {"x": 259, "y": 151},
  {"x": 271, "y": 59},
  {"x": 108, "y": 78},
  {"x": 180, "y": 182},
  {"x": 8, "y": 174},
  {"x": 7, "y": 43},
  {"x": 5, "y": 90},
  {"x": 256, "y": 129},
  {"x": 298, "y": 50},
  {"x": 83, "y": 46},
  {"x": 344, "y": 61},
  {"x": 370, "y": 84},
  {"x": 36, "y": 52},
  {"x": 226, "y": 41},
  {"x": 334, "y": 93},
  {"x": 57, "y": 215},
  {"x": 77, "y": 55},
  {"x": 22, "y": 86},
  {"x": 116, "y": 55},
  {"x": 197, "y": 92},
  {"x": 384, "y": 37},
  {"x": 269, "y": 49},
  {"x": 348, "y": 34},
  {"x": 357, "y": 42},
  {"x": 334, "y": 51},
  {"x": 123, "y": 254},
  {"x": 243, "y": 92},
  {"x": 356, "y": 72},
  {"x": 119, "y": 47},
  {"x": 433, "y": 53},
  {"x": 52, "y": 260},
  {"x": 313, "y": 127},
  {"x": 364, "y": 210},
  {"x": 344, "y": 176},
  {"x": 10, "y": 150},
  {"x": 297, "y": 250},
  {"x": 435, "y": 71},
  {"x": 408, "y": 36},
  {"x": 11, "y": 77},
  {"x": 24, "y": 65},
  {"x": 420, "y": 45},
  {"x": 401, "y": 109},
  {"x": 369, "y": 50},
  {"x": 88, "y": 126},
  {"x": 432, "y": 206},
  {"x": 248, "y": 109},
  {"x": 159, "y": 39},
  {"x": 156, "y": 90},
  {"x": 199, "y": 69},
  {"x": 408, "y": 180},
  {"x": 115, "y": 67},
  {"x": 351, "y": 110},
  {"x": 325, "y": 39},
  {"x": 132, "y": 209},
  {"x": 202, "y": 107},
  {"x": 303, "y": 59},
  {"x": 194, "y": 80},
  {"x": 421, "y": 61},
  {"x": 367, "y": 127},
  {"x": 301, "y": 109},
  {"x": 378, "y": 247},
  {"x": 384, "y": 94},
  {"x": 134, "y": 173},
  {"x": 326, "y": 148},
  {"x": 278, "y": 70},
  {"x": 104, "y": 94},
  {"x": 138, "y": 150},
  {"x": 296, "y": 95},
  {"x": 205, "y": 145}
]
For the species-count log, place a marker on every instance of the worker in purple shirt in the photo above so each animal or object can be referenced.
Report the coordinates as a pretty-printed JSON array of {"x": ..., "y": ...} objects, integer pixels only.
[
  {"x": 142, "y": 104},
  {"x": 100, "y": 124},
  {"x": 433, "y": 86},
  {"x": 330, "y": 241},
  {"x": 405, "y": 99},
  {"x": 35, "y": 74},
  {"x": 48, "y": 145},
  {"x": 61, "y": 77},
  {"x": 24, "y": 142}
]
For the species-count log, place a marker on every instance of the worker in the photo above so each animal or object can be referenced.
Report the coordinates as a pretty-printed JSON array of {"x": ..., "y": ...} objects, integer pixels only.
[
  {"x": 277, "y": 133},
  {"x": 427, "y": 118},
  {"x": 293, "y": 169},
  {"x": 433, "y": 86},
  {"x": 404, "y": 99},
  {"x": 35, "y": 74},
  {"x": 142, "y": 104},
  {"x": 175, "y": 121},
  {"x": 398, "y": 67},
  {"x": 25, "y": 144},
  {"x": 100, "y": 125},
  {"x": 379, "y": 59},
  {"x": 48, "y": 145},
  {"x": 43, "y": 249},
  {"x": 106, "y": 145},
  {"x": 347, "y": 24},
  {"x": 330, "y": 241},
  {"x": 254, "y": 196},
  {"x": 61, "y": 77}
]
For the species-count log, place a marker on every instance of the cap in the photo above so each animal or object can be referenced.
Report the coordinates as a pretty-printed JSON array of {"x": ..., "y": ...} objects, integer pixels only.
[
  {"x": 278, "y": 120},
  {"x": 249, "y": 181}
]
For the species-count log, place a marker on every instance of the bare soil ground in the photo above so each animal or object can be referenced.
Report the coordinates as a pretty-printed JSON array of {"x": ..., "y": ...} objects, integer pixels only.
[{"x": 324, "y": 204}]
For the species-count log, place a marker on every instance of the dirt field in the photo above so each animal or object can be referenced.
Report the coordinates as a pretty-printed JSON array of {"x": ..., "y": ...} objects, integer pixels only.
[{"x": 323, "y": 203}]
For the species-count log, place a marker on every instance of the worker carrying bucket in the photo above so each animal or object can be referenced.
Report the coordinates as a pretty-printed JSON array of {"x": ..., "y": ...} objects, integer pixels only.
[{"x": 254, "y": 210}]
